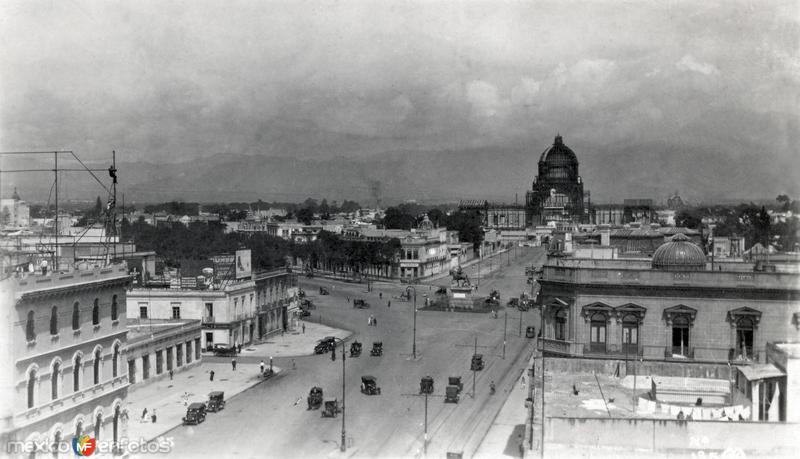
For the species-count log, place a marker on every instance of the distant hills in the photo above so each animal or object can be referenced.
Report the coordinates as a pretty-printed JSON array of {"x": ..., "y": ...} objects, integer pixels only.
[{"x": 611, "y": 174}]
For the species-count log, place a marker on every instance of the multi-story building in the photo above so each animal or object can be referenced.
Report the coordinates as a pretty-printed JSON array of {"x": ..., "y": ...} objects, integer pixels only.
[
  {"x": 232, "y": 312},
  {"x": 424, "y": 251},
  {"x": 62, "y": 366},
  {"x": 674, "y": 306},
  {"x": 557, "y": 192},
  {"x": 159, "y": 347},
  {"x": 14, "y": 212}
]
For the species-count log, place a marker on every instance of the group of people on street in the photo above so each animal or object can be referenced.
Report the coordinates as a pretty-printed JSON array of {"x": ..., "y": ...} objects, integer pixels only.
[
  {"x": 146, "y": 418},
  {"x": 372, "y": 321}
]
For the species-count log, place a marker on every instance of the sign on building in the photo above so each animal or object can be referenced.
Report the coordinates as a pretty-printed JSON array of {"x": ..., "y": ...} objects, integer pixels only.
[{"x": 243, "y": 268}]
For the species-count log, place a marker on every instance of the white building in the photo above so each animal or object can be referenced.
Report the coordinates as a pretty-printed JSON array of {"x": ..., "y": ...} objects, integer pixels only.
[{"x": 14, "y": 212}]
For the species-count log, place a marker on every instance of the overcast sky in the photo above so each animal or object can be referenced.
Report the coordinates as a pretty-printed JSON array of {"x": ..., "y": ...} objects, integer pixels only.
[{"x": 160, "y": 80}]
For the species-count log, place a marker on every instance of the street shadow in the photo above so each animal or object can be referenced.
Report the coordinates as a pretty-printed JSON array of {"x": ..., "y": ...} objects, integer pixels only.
[{"x": 514, "y": 441}]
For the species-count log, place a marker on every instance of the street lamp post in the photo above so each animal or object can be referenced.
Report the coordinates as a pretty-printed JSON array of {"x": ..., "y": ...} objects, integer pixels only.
[
  {"x": 414, "y": 342},
  {"x": 333, "y": 357},
  {"x": 505, "y": 329}
]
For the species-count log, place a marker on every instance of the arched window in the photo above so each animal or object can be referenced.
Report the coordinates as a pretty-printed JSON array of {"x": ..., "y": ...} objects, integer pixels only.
[
  {"x": 54, "y": 320},
  {"x": 31, "y": 388},
  {"x": 56, "y": 442},
  {"x": 115, "y": 362},
  {"x": 597, "y": 337},
  {"x": 114, "y": 307},
  {"x": 98, "y": 424},
  {"x": 76, "y": 374},
  {"x": 76, "y": 316},
  {"x": 55, "y": 378},
  {"x": 96, "y": 312},
  {"x": 97, "y": 359},
  {"x": 116, "y": 426},
  {"x": 30, "y": 330}
]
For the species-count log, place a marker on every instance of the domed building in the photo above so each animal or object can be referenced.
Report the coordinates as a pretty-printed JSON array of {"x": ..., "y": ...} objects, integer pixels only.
[
  {"x": 679, "y": 254},
  {"x": 557, "y": 192}
]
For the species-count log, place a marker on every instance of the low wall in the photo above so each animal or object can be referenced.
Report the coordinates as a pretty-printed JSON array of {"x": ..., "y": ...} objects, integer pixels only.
[
  {"x": 671, "y": 436},
  {"x": 609, "y": 367}
]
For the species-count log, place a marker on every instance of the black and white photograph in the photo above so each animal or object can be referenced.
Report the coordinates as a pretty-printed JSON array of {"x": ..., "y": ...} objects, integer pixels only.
[{"x": 456, "y": 229}]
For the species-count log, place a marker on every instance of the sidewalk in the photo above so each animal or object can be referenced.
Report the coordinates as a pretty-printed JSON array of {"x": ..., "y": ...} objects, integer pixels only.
[
  {"x": 170, "y": 397},
  {"x": 290, "y": 344},
  {"x": 508, "y": 429}
]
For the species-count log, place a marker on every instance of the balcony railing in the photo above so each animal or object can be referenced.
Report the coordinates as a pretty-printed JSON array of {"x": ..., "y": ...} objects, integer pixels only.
[
  {"x": 208, "y": 319},
  {"x": 68, "y": 401},
  {"x": 557, "y": 346}
]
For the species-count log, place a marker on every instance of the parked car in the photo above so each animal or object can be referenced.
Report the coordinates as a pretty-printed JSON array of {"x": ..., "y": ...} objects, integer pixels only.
[
  {"x": 195, "y": 413},
  {"x": 426, "y": 385},
  {"x": 455, "y": 381},
  {"x": 360, "y": 303},
  {"x": 369, "y": 386},
  {"x": 355, "y": 349},
  {"x": 331, "y": 408},
  {"x": 307, "y": 304},
  {"x": 224, "y": 350},
  {"x": 216, "y": 401},
  {"x": 325, "y": 344},
  {"x": 477, "y": 362},
  {"x": 530, "y": 332},
  {"x": 377, "y": 349},
  {"x": 304, "y": 313},
  {"x": 314, "y": 398},
  {"x": 451, "y": 394},
  {"x": 324, "y": 291}
]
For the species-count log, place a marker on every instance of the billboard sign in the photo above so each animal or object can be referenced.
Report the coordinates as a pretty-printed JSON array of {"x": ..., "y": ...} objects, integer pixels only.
[{"x": 243, "y": 268}]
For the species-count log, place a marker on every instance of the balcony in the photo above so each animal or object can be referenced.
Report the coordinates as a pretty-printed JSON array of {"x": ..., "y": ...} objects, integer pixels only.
[{"x": 557, "y": 346}]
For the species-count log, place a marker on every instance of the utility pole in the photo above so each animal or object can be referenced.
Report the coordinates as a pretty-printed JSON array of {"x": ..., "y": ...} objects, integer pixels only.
[
  {"x": 505, "y": 329},
  {"x": 473, "y": 370},
  {"x": 541, "y": 324},
  {"x": 414, "y": 339},
  {"x": 520, "y": 323}
]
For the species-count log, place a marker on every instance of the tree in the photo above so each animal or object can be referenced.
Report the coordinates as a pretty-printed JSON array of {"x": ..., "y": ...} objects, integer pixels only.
[
  {"x": 689, "y": 218},
  {"x": 785, "y": 202},
  {"x": 324, "y": 210},
  {"x": 468, "y": 224},
  {"x": 305, "y": 215},
  {"x": 397, "y": 218}
]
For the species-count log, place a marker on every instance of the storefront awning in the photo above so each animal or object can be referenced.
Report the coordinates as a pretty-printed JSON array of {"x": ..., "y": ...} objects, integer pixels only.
[{"x": 760, "y": 371}]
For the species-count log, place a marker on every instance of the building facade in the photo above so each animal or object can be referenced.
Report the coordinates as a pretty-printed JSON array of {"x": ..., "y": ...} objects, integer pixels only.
[
  {"x": 14, "y": 212},
  {"x": 63, "y": 371},
  {"x": 425, "y": 251},
  {"x": 238, "y": 312},
  {"x": 672, "y": 307},
  {"x": 161, "y": 347},
  {"x": 557, "y": 194}
]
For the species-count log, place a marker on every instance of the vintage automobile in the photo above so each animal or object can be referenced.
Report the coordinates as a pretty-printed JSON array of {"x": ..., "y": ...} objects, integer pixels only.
[
  {"x": 455, "y": 381},
  {"x": 477, "y": 362},
  {"x": 325, "y": 344},
  {"x": 530, "y": 332},
  {"x": 223, "y": 350},
  {"x": 314, "y": 398},
  {"x": 369, "y": 386},
  {"x": 451, "y": 394},
  {"x": 360, "y": 303},
  {"x": 377, "y": 349},
  {"x": 216, "y": 401},
  {"x": 331, "y": 408},
  {"x": 513, "y": 303},
  {"x": 304, "y": 312},
  {"x": 195, "y": 413},
  {"x": 441, "y": 291},
  {"x": 324, "y": 291},
  {"x": 307, "y": 304},
  {"x": 355, "y": 349},
  {"x": 495, "y": 295},
  {"x": 426, "y": 385}
]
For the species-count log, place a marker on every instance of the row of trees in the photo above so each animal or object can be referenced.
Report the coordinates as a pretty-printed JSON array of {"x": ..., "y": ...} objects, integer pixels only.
[
  {"x": 407, "y": 216},
  {"x": 332, "y": 253},
  {"x": 746, "y": 220}
]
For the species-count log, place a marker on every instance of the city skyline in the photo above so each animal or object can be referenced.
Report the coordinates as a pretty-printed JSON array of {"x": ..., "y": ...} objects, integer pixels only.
[{"x": 690, "y": 89}]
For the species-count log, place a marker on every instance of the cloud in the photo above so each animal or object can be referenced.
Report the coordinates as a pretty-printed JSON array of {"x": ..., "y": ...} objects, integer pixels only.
[{"x": 689, "y": 64}]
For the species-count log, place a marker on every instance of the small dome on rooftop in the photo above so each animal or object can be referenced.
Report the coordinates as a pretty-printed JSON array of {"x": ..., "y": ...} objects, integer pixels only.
[{"x": 679, "y": 254}]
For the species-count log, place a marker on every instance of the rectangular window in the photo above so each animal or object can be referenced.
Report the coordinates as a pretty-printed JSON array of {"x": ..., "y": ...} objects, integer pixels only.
[
  {"x": 209, "y": 309},
  {"x": 188, "y": 352},
  {"x": 145, "y": 367},
  {"x": 176, "y": 310},
  {"x": 142, "y": 312}
]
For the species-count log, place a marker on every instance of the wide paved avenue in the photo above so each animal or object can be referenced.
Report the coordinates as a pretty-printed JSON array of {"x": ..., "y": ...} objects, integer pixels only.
[{"x": 271, "y": 419}]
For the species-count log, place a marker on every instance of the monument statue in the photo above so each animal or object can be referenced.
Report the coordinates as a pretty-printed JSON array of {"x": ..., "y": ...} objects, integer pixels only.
[{"x": 460, "y": 278}]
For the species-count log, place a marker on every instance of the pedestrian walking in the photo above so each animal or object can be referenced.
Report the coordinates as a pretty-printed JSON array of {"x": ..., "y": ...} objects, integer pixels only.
[
  {"x": 211, "y": 375},
  {"x": 380, "y": 295},
  {"x": 153, "y": 416},
  {"x": 170, "y": 374},
  {"x": 270, "y": 364},
  {"x": 389, "y": 304},
  {"x": 239, "y": 349},
  {"x": 374, "y": 322},
  {"x": 294, "y": 365},
  {"x": 144, "y": 414},
  {"x": 233, "y": 364},
  {"x": 369, "y": 320},
  {"x": 262, "y": 367},
  {"x": 304, "y": 328}
]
